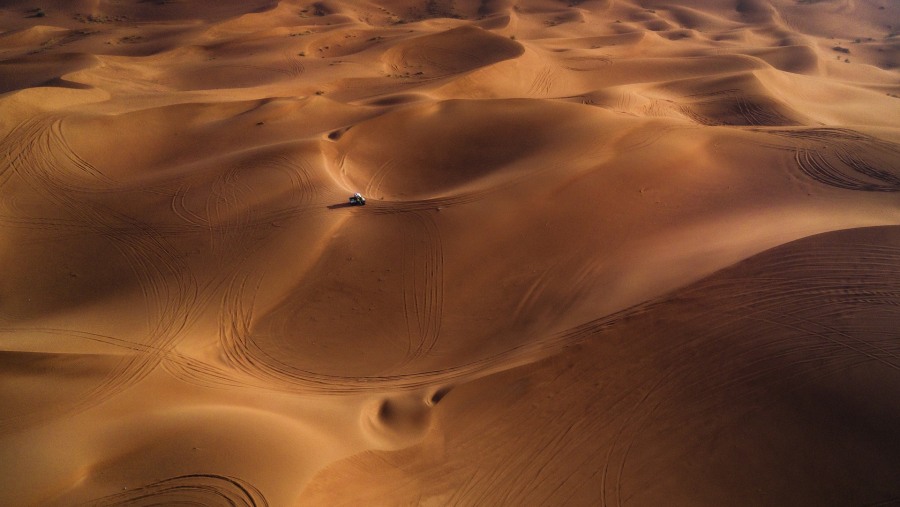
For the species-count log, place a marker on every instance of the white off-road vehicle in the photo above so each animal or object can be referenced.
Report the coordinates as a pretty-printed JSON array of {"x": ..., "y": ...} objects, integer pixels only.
[{"x": 357, "y": 200}]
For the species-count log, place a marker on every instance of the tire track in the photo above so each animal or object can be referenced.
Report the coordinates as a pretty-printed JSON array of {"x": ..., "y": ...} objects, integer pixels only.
[
  {"x": 181, "y": 210},
  {"x": 41, "y": 160},
  {"x": 120, "y": 343},
  {"x": 377, "y": 180},
  {"x": 628, "y": 432},
  {"x": 845, "y": 159},
  {"x": 423, "y": 287},
  {"x": 811, "y": 289},
  {"x": 230, "y": 192},
  {"x": 730, "y": 109},
  {"x": 121, "y": 348},
  {"x": 588, "y": 63},
  {"x": 248, "y": 365},
  {"x": 195, "y": 489},
  {"x": 84, "y": 168},
  {"x": 298, "y": 171},
  {"x": 795, "y": 286},
  {"x": 542, "y": 83},
  {"x": 644, "y": 138},
  {"x": 796, "y": 301}
]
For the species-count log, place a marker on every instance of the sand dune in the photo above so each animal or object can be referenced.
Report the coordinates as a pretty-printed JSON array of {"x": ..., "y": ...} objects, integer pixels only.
[
  {"x": 613, "y": 252},
  {"x": 788, "y": 377}
]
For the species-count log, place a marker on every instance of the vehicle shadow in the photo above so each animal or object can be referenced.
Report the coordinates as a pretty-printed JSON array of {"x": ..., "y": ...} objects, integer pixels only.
[{"x": 341, "y": 205}]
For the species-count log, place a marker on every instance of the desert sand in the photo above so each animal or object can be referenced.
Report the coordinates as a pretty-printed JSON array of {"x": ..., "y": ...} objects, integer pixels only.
[{"x": 614, "y": 252}]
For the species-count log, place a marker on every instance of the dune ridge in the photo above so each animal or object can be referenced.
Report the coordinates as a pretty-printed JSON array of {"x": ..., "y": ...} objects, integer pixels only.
[{"x": 613, "y": 252}]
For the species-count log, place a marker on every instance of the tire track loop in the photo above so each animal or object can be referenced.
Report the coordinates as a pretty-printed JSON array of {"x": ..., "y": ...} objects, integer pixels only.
[
  {"x": 306, "y": 207},
  {"x": 229, "y": 236},
  {"x": 235, "y": 219},
  {"x": 229, "y": 190},
  {"x": 195, "y": 489},
  {"x": 46, "y": 135},
  {"x": 814, "y": 165},
  {"x": 153, "y": 261},
  {"x": 824, "y": 133},
  {"x": 251, "y": 366},
  {"x": 845, "y": 167},
  {"x": 181, "y": 210},
  {"x": 232, "y": 215},
  {"x": 257, "y": 364},
  {"x": 298, "y": 171}
]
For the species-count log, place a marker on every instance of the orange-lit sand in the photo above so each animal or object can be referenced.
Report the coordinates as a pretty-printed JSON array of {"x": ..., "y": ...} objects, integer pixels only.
[{"x": 614, "y": 252}]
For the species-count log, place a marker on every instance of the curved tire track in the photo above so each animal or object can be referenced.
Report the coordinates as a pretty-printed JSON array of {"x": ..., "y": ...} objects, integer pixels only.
[
  {"x": 423, "y": 293},
  {"x": 195, "y": 489},
  {"x": 845, "y": 159},
  {"x": 38, "y": 155}
]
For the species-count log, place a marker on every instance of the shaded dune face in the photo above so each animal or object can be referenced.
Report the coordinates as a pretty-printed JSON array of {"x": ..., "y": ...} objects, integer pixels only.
[
  {"x": 451, "y": 52},
  {"x": 425, "y": 151},
  {"x": 795, "y": 340},
  {"x": 854, "y": 161},
  {"x": 612, "y": 252},
  {"x": 739, "y": 99},
  {"x": 739, "y": 110},
  {"x": 44, "y": 70}
]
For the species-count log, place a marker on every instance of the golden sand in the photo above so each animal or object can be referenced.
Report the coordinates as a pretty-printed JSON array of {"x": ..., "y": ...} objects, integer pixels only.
[{"x": 614, "y": 252}]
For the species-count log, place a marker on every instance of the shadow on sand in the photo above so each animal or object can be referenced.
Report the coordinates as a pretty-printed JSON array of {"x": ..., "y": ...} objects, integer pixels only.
[{"x": 341, "y": 205}]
